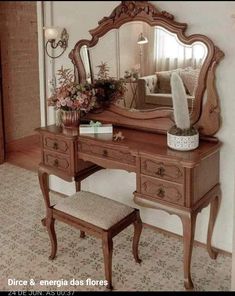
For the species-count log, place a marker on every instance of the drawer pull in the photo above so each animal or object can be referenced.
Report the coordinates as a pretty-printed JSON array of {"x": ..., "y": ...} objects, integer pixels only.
[
  {"x": 161, "y": 172},
  {"x": 105, "y": 153},
  {"x": 161, "y": 192},
  {"x": 55, "y": 146},
  {"x": 56, "y": 162}
]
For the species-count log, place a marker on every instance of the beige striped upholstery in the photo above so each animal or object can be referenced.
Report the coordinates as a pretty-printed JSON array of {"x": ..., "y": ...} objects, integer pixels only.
[{"x": 95, "y": 209}]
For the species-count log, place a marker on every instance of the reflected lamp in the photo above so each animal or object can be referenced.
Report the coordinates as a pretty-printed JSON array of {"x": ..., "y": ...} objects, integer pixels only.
[{"x": 142, "y": 39}]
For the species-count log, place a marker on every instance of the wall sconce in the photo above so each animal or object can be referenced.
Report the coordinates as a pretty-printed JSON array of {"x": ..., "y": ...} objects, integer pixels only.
[{"x": 51, "y": 33}]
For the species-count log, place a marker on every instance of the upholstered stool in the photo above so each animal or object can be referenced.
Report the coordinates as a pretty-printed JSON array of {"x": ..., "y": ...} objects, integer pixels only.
[{"x": 97, "y": 216}]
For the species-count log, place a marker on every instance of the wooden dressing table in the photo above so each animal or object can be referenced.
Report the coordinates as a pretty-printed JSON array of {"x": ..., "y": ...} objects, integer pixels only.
[{"x": 181, "y": 183}]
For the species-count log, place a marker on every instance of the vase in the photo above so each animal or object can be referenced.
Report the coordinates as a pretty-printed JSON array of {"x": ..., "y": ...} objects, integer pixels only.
[
  {"x": 183, "y": 143},
  {"x": 70, "y": 119}
]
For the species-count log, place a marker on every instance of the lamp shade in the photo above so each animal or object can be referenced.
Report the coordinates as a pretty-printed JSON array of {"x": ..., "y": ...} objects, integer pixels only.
[
  {"x": 142, "y": 39},
  {"x": 51, "y": 33}
]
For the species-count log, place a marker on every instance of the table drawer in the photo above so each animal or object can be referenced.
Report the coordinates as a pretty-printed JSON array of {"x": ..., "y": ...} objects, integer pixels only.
[
  {"x": 57, "y": 161},
  {"x": 162, "y": 170},
  {"x": 162, "y": 190},
  {"x": 107, "y": 153},
  {"x": 56, "y": 144}
]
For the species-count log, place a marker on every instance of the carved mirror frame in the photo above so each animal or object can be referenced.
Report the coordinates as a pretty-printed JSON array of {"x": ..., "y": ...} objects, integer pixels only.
[{"x": 206, "y": 113}]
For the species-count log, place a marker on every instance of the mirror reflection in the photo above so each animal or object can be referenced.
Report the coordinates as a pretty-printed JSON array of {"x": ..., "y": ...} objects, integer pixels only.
[{"x": 145, "y": 57}]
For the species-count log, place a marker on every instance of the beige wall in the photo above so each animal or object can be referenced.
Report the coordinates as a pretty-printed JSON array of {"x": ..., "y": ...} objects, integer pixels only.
[
  {"x": 212, "y": 18},
  {"x": 19, "y": 49},
  {"x": 233, "y": 259}
]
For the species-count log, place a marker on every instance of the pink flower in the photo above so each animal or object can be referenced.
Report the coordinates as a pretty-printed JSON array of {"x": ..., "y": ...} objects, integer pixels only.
[
  {"x": 69, "y": 103},
  {"x": 77, "y": 104},
  {"x": 58, "y": 104},
  {"x": 60, "y": 97},
  {"x": 63, "y": 103},
  {"x": 81, "y": 100}
]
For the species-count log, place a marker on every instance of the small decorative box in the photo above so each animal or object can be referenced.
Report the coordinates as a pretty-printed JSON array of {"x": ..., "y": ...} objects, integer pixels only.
[{"x": 96, "y": 128}]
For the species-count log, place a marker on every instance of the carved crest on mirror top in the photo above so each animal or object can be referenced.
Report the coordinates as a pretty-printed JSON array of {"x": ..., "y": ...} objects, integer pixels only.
[{"x": 206, "y": 111}]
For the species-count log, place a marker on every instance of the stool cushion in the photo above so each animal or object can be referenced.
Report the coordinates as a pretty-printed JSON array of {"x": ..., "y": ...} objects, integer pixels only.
[{"x": 93, "y": 208}]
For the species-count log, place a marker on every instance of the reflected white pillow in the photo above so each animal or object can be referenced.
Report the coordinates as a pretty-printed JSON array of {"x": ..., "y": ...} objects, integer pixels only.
[{"x": 190, "y": 79}]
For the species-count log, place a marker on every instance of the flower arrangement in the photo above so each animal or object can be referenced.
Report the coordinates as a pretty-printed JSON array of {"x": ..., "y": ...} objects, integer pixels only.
[
  {"x": 132, "y": 74},
  {"x": 69, "y": 95},
  {"x": 107, "y": 89}
]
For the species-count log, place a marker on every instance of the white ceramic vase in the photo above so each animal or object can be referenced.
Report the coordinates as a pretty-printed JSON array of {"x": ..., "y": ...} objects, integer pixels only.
[{"x": 183, "y": 143}]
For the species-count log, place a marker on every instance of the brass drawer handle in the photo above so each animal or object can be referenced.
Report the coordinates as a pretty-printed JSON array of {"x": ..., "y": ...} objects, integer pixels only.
[
  {"x": 161, "y": 172},
  {"x": 105, "y": 153},
  {"x": 56, "y": 162},
  {"x": 55, "y": 146},
  {"x": 161, "y": 192}
]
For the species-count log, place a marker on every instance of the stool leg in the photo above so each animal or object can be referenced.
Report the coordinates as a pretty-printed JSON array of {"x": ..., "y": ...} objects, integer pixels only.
[
  {"x": 107, "y": 244},
  {"x": 82, "y": 234},
  {"x": 137, "y": 232},
  {"x": 50, "y": 224}
]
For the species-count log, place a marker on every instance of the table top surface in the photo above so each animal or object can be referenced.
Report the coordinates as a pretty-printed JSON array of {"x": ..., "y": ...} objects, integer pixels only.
[{"x": 139, "y": 142}]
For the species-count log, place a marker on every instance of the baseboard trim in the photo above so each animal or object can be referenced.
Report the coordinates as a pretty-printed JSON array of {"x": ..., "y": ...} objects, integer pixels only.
[
  {"x": 178, "y": 236},
  {"x": 23, "y": 143}
]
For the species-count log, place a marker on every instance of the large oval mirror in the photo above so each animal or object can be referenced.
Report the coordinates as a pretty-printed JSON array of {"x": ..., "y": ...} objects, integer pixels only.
[
  {"x": 144, "y": 46},
  {"x": 146, "y": 56}
]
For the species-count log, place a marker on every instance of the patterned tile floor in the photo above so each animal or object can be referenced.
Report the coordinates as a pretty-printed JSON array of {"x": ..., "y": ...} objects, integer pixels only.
[{"x": 25, "y": 248}]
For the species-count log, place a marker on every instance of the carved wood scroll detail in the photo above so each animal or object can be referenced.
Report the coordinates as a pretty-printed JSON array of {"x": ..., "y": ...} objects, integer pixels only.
[
  {"x": 165, "y": 192},
  {"x": 134, "y": 8},
  {"x": 58, "y": 145},
  {"x": 57, "y": 161},
  {"x": 210, "y": 121},
  {"x": 168, "y": 171},
  {"x": 122, "y": 156}
]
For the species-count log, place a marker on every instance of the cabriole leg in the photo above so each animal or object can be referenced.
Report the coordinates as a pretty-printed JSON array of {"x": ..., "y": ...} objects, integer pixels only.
[
  {"x": 214, "y": 209},
  {"x": 50, "y": 224},
  {"x": 189, "y": 223}
]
